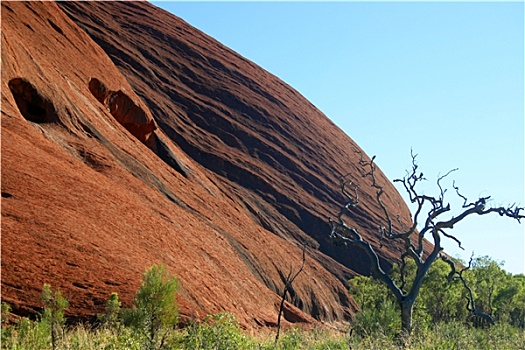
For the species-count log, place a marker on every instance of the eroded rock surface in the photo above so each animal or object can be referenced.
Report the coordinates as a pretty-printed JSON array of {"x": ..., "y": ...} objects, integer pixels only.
[
  {"x": 131, "y": 116},
  {"x": 147, "y": 141}
]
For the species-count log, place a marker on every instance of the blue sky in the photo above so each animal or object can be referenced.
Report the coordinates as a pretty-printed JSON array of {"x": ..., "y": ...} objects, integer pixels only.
[{"x": 445, "y": 79}]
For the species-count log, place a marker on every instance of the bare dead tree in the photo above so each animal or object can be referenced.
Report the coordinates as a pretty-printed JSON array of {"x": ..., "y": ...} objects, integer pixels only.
[
  {"x": 431, "y": 213},
  {"x": 288, "y": 280}
]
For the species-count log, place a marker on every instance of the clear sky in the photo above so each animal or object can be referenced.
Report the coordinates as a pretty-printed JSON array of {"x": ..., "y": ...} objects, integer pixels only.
[{"x": 445, "y": 78}]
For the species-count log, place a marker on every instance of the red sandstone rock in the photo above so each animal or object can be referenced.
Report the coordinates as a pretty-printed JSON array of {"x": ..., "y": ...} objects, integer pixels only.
[{"x": 206, "y": 163}]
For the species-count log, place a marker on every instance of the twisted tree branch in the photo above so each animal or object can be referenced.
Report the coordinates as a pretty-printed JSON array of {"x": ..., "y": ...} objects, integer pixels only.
[
  {"x": 435, "y": 225},
  {"x": 471, "y": 304}
]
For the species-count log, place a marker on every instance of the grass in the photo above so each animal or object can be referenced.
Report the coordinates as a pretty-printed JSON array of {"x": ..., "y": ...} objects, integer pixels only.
[{"x": 223, "y": 332}]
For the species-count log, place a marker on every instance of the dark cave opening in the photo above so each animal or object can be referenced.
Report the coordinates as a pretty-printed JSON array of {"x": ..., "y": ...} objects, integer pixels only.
[{"x": 32, "y": 105}]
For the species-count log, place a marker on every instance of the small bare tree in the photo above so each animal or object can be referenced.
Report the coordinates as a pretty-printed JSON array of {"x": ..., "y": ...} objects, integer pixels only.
[
  {"x": 435, "y": 225},
  {"x": 288, "y": 280}
]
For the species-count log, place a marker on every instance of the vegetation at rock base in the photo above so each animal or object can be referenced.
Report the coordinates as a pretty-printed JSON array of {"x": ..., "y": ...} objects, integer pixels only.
[
  {"x": 451, "y": 304},
  {"x": 495, "y": 292},
  {"x": 434, "y": 218},
  {"x": 225, "y": 333},
  {"x": 53, "y": 315},
  {"x": 155, "y": 311},
  {"x": 111, "y": 318},
  {"x": 440, "y": 318}
]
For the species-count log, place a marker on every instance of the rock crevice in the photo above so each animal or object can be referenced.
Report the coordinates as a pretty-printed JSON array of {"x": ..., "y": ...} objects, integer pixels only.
[
  {"x": 136, "y": 121},
  {"x": 124, "y": 110},
  {"x": 32, "y": 105}
]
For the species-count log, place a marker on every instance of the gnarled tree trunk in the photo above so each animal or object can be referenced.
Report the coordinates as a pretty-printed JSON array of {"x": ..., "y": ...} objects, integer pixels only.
[
  {"x": 435, "y": 225},
  {"x": 407, "y": 307}
]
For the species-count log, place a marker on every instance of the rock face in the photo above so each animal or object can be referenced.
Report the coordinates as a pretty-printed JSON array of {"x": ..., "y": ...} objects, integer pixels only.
[
  {"x": 131, "y": 116},
  {"x": 130, "y": 138}
]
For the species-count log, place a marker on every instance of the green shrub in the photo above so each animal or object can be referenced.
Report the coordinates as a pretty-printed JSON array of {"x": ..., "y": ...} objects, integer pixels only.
[
  {"x": 54, "y": 306},
  {"x": 7, "y": 329},
  {"x": 385, "y": 320},
  {"x": 292, "y": 339},
  {"x": 315, "y": 339},
  {"x": 155, "y": 311},
  {"x": 82, "y": 337},
  {"x": 111, "y": 318},
  {"x": 218, "y": 332},
  {"x": 379, "y": 311},
  {"x": 27, "y": 335},
  {"x": 5, "y": 313}
]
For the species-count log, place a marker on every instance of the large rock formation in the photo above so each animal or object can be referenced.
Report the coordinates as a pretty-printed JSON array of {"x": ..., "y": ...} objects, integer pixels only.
[{"x": 130, "y": 138}]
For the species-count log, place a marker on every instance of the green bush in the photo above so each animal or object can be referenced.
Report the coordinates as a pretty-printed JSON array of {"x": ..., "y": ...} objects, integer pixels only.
[
  {"x": 54, "y": 306},
  {"x": 379, "y": 311},
  {"x": 82, "y": 337},
  {"x": 155, "y": 312},
  {"x": 219, "y": 332},
  {"x": 292, "y": 339},
  {"x": 27, "y": 335},
  {"x": 111, "y": 318},
  {"x": 6, "y": 331}
]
